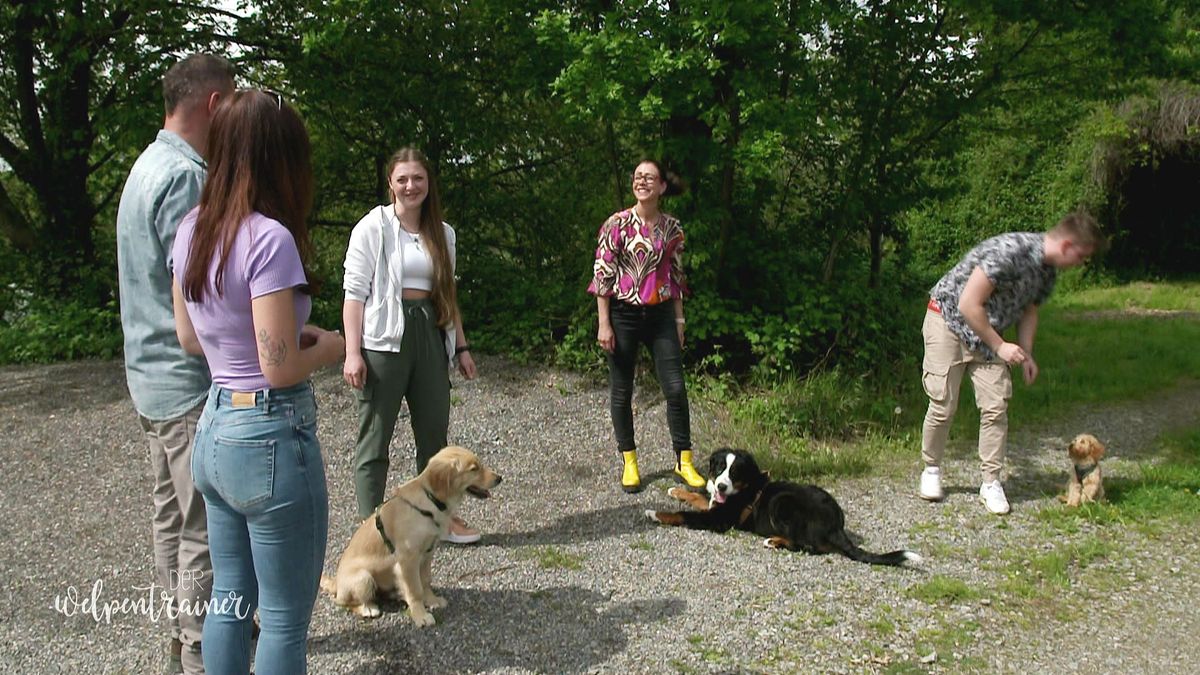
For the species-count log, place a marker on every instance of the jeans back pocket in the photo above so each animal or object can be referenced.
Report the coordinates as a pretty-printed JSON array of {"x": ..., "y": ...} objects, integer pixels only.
[{"x": 244, "y": 470}]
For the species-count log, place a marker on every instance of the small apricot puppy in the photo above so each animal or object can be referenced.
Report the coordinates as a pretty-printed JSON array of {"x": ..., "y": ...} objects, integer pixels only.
[
  {"x": 1085, "y": 483},
  {"x": 392, "y": 550}
]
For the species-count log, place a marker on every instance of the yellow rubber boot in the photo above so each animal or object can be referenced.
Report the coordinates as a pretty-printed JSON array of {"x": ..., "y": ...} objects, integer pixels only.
[
  {"x": 686, "y": 472},
  {"x": 630, "y": 480}
]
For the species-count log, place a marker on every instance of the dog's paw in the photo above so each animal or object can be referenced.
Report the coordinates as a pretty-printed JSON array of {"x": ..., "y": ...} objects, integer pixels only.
[
  {"x": 435, "y": 601},
  {"x": 774, "y": 542},
  {"x": 369, "y": 611},
  {"x": 652, "y": 515},
  {"x": 678, "y": 493},
  {"x": 423, "y": 619}
]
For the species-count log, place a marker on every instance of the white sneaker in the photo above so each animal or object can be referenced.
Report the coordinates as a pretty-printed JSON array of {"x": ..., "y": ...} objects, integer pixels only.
[
  {"x": 992, "y": 496},
  {"x": 931, "y": 484}
]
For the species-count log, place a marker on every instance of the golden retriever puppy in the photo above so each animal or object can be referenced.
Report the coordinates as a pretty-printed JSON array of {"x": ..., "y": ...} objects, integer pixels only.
[
  {"x": 1084, "y": 484},
  {"x": 392, "y": 550}
]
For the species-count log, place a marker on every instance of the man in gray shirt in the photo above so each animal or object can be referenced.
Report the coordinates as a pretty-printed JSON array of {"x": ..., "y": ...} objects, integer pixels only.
[
  {"x": 1000, "y": 282},
  {"x": 169, "y": 387}
]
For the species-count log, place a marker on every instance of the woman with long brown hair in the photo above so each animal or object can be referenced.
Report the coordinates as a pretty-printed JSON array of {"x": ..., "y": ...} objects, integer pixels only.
[
  {"x": 242, "y": 296},
  {"x": 403, "y": 326}
]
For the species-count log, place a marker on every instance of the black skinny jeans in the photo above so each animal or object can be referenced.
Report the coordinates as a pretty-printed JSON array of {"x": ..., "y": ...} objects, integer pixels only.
[{"x": 653, "y": 326}]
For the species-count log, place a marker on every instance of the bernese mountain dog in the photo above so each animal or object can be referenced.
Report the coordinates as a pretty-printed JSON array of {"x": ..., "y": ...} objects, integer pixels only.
[{"x": 790, "y": 516}]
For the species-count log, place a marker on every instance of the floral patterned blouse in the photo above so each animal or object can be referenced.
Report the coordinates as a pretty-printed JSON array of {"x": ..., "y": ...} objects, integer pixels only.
[{"x": 637, "y": 262}]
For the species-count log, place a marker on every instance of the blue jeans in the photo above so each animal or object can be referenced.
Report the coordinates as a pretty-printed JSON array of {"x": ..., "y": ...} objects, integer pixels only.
[{"x": 259, "y": 466}]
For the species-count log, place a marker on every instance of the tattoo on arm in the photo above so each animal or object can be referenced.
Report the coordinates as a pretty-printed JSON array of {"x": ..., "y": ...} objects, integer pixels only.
[{"x": 274, "y": 352}]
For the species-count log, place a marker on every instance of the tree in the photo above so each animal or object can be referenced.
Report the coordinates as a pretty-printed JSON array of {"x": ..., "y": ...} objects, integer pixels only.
[{"x": 78, "y": 91}]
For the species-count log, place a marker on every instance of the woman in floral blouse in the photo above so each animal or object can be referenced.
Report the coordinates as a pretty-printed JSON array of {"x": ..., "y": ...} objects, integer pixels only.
[{"x": 639, "y": 286}]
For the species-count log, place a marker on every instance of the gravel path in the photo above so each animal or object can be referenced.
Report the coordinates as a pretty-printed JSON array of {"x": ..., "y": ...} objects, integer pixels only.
[{"x": 570, "y": 577}]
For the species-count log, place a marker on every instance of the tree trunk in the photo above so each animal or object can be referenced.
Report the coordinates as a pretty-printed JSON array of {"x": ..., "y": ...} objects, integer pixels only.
[
  {"x": 13, "y": 224},
  {"x": 876, "y": 230},
  {"x": 615, "y": 162}
]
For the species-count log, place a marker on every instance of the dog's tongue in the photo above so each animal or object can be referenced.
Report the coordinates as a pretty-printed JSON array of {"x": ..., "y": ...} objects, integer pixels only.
[{"x": 719, "y": 498}]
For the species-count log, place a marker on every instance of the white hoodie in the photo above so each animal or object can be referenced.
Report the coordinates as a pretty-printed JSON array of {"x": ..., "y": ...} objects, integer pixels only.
[{"x": 374, "y": 276}]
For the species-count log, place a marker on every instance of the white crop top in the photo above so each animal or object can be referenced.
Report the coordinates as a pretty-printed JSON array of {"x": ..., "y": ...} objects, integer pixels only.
[{"x": 418, "y": 266}]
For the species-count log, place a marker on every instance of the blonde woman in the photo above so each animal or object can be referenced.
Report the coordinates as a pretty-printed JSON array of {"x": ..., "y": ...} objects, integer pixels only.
[{"x": 403, "y": 327}]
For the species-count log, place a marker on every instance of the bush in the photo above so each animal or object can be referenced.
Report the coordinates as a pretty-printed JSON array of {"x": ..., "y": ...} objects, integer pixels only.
[
  {"x": 822, "y": 405},
  {"x": 46, "y": 331}
]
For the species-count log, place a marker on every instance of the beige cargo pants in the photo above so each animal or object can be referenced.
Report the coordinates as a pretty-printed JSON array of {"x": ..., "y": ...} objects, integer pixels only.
[{"x": 946, "y": 359}]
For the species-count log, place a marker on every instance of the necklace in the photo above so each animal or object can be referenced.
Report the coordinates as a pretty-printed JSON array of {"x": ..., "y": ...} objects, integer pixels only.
[{"x": 413, "y": 238}]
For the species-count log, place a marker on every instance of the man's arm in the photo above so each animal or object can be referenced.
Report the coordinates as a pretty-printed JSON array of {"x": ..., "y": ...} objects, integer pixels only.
[
  {"x": 183, "y": 324},
  {"x": 181, "y": 196},
  {"x": 1026, "y": 331},
  {"x": 978, "y": 289}
]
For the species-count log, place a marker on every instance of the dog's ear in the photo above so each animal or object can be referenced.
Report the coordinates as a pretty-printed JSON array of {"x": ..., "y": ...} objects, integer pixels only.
[
  {"x": 1098, "y": 449},
  {"x": 441, "y": 478}
]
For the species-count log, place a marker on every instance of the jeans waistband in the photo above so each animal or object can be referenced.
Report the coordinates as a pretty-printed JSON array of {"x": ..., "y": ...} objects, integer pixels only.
[{"x": 227, "y": 398}]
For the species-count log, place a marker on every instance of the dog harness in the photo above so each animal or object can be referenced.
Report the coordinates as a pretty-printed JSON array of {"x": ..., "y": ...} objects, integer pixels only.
[
  {"x": 750, "y": 508},
  {"x": 379, "y": 526},
  {"x": 439, "y": 504},
  {"x": 1081, "y": 473}
]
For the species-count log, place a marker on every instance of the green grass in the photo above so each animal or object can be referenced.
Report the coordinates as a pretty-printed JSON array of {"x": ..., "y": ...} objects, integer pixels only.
[
  {"x": 1163, "y": 295},
  {"x": 883, "y": 625},
  {"x": 1045, "y": 577},
  {"x": 707, "y": 649},
  {"x": 951, "y": 641},
  {"x": 942, "y": 590},
  {"x": 550, "y": 557},
  {"x": 1102, "y": 360}
]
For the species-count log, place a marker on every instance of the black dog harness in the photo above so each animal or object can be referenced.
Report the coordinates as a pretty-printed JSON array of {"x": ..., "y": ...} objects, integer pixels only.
[
  {"x": 1080, "y": 474},
  {"x": 379, "y": 526},
  {"x": 439, "y": 504}
]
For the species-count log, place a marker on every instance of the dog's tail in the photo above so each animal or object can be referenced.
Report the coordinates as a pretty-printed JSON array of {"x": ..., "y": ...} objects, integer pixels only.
[
  {"x": 847, "y": 548},
  {"x": 329, "y": 584}
]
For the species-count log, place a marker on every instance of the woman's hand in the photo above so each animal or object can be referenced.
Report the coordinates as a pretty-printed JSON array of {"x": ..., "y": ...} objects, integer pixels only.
[
  {"x": 679, "y": 331},
  {"x": 330, "y": 344},
  {"x": 354, "y": 371},
  {"x": 604, "y": 336},
  {"x": 466, "y": 365}
]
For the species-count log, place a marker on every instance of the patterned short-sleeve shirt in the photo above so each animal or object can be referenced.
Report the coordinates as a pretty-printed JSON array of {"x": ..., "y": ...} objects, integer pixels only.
[
  {"x": 637, "y": 262},
  {"x": 1014, "y": 263}
]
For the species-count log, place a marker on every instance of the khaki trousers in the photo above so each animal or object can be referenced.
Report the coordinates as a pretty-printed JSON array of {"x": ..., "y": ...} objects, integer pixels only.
[
  {"x": 180, "y": 526},
  {"x": 946, "y": 359}
]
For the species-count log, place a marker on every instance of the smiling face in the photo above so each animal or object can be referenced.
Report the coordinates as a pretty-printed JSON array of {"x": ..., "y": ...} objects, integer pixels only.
[
  {"x": 409, "y": 184},
  {"x": 648, "y": 184}
]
